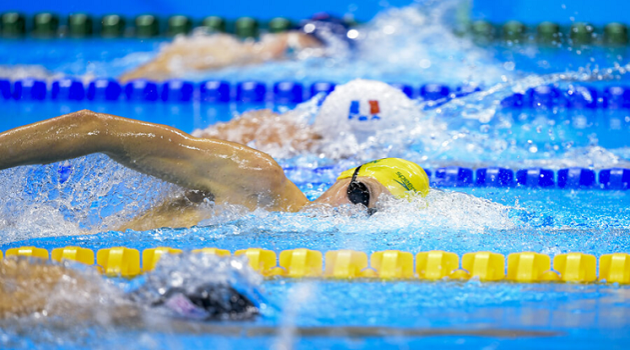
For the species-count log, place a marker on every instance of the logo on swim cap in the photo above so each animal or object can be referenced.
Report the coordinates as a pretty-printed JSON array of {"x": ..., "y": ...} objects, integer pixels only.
[
  {"x": 404, "y": 182},
  {"x": 401, "y": 177},
  {"x": 355, "y": 111},
  {"x": 364, "y": 107}
]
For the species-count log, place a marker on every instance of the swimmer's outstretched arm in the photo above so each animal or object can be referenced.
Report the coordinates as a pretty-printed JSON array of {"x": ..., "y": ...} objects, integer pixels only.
[{"x": 231, "y": 172}]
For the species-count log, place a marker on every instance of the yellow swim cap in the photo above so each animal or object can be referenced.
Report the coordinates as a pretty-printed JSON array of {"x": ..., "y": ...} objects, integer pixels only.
[{"x": 401, "y": 177}]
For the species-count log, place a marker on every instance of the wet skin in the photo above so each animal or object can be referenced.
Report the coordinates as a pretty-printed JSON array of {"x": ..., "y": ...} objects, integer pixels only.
[{"x": 223, "y": 171}]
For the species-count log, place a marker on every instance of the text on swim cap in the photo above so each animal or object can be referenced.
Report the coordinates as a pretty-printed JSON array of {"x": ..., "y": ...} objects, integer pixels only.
[{"x": 404, "y": 182}]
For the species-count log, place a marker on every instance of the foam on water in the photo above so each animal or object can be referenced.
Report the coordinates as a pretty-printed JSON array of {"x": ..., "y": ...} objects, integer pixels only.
[
  {"x": 96, "y": 194},
  {"x": 412, "y": 44},
  {"x": 471, "y": 130}
]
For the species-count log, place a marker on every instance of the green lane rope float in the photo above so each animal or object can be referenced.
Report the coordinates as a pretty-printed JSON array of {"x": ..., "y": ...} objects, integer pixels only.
[
  {"x": 548, "y": 33},
  {"x": 179, "y": 25},
  {"x": 13, "y": 25},
  {"x": 45, "y": 25},
  {"x": 214, "y": 24},
  {"x": 280, "y": 24},
  {"x": 514, "y": 31},
  {"x": 582, "y": 33},
  {"x": 615, "y": 34},
  {"x": 81, "y": 25},
  {"x": 113, "y": 26},
  {"x": 147, "y": 26},
  {"x": 246, "y": 27}
]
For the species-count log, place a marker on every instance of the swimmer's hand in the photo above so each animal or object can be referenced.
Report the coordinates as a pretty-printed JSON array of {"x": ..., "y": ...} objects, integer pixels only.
[{"x": 230, "y": 172}]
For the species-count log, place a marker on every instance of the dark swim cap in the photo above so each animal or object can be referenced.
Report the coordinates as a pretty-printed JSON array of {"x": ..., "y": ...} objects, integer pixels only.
[{"x": 326, "y": 28}]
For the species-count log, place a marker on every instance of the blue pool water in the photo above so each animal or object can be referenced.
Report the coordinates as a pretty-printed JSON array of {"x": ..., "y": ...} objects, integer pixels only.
[{"x": 42, "y": 207}]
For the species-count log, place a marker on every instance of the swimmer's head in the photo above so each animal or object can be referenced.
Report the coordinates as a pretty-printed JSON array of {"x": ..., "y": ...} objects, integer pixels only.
[
  {"x": 324, "y": 26},
  {"x": 401, "y": 177}
]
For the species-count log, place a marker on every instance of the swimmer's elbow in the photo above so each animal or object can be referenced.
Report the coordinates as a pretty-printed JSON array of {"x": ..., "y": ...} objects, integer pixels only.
[
  {"x": 286, "y": 195},
  {"x": 274, "y": 178},
  {"x": 85, "y": 117},
  {"x": 93, "y": 125},
  {"x": 278, "y": 177},
  {"x": 279, "y": 184}
]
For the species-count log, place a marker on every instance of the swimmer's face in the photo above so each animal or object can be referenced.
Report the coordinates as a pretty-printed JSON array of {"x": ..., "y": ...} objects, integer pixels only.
[{"x": 337, "y": 194}]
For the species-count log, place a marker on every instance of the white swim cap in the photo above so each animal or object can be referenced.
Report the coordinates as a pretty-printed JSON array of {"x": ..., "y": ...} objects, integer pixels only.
[{"x": 363, "y": 107}]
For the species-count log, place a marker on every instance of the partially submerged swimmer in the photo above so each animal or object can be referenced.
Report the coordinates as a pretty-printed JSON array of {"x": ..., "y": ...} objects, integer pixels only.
[
  {"x": 207, "y": 52},
  {"x": 350, "y": 115},
  {"x": 214, "y": 51},
  {"x": 221, "y": 171},
  {"x": 191, "y": 286}
]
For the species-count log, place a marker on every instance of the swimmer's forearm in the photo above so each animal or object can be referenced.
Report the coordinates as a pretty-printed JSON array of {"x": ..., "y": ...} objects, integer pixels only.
[
  {"x": 52, "y": 140},
  {"x": 135, "y": 144}
]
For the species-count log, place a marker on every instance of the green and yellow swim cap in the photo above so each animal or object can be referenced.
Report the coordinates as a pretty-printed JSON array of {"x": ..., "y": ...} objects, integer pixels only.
[{"x": 401, "y": 177}]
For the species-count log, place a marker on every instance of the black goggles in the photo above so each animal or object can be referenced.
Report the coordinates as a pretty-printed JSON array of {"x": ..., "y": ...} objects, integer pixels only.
[{"x": 358, "y": 192}]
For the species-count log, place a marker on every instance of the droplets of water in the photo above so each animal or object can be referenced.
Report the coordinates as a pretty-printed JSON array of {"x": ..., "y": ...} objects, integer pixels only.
[{"x": 96, "y": 194}]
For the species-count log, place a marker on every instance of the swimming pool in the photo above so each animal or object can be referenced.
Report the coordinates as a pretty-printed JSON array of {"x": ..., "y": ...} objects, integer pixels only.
[{"x": 47, "y": 207}]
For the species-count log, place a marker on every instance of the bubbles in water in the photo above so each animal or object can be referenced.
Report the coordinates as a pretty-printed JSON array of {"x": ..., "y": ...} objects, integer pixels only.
[{"x": 15, "y": 72}]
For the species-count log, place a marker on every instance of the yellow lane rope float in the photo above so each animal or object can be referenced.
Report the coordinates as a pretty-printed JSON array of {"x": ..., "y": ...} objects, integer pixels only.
[{"x": 524, "y": 267}]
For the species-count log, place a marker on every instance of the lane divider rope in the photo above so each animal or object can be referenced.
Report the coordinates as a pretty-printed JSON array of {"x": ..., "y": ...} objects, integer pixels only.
[
  {"x": 566, "y": 178},
  {"x": 83, "y": 25},
  {"x": 577, "y": 97},
  {"x": 388, "y": 265}
]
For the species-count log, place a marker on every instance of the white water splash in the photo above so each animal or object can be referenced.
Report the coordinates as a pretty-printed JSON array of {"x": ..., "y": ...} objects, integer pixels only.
[{"x": 99, "y": 194}]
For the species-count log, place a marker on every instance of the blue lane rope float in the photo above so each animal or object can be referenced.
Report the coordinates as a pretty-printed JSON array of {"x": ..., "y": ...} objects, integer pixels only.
[
  {"x": 566, "y": 178},
  {"x": 251, "y": 92},
  {"x": 388, "y": 265},
  {"x": 291, "y": 92},
  {"x": 103, "y": 90},
  {"x": 455, "y": 177},
  {"x": 67, "y": 89}
]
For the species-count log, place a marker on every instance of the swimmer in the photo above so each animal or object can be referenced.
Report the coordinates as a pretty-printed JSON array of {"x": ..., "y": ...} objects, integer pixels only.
[
  {"x": 350, "y": 114},
  {"x": 208, "y": 169},
  {"x": 217, "y": 50},
  {"x": 29, "y": 286}
]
